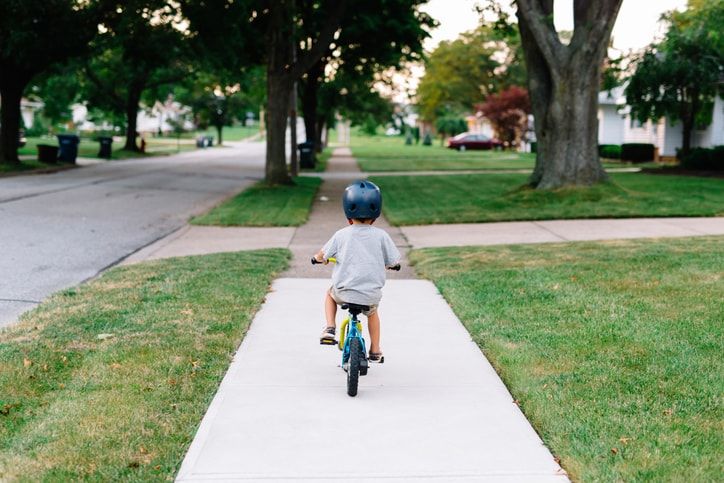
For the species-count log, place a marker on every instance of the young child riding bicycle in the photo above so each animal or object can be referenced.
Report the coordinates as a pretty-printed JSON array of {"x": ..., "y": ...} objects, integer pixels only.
[{"x": 362, "y": 253}]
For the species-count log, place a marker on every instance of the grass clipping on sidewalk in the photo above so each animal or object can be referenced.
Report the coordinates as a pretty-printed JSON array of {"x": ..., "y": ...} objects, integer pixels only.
[
  {"x": 109, "y": 381},
  {"x": 265, "y": 205},
  {"x": 613, "y": 350}
]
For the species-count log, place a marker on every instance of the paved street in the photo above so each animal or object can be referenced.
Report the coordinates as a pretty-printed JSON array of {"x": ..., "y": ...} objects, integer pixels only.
[{"x": 60, "y": 229}]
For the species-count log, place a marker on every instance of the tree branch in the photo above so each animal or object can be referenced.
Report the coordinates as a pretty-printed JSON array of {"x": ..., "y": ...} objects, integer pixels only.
[
  {"x": 535, "y": 12},
  {"x": 593, "y": 23},
  {"x": 117, "y": 100},
  {"x": 308, "y": 58}
]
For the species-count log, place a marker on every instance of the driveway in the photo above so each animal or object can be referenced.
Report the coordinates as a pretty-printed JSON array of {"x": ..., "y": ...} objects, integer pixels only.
[{"x": 60, "y": 229}]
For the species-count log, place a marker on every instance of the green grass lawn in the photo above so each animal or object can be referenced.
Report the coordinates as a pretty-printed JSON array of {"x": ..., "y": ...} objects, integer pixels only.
[
  {"x": 613, "y": 350},
  {"x": 109, "y": 381},
  {"x": 231, "y": 133},
  {"x": 264, "y": 205},
  {"x": 389, "y": 153},
  {"x": 413, "y": 200}
]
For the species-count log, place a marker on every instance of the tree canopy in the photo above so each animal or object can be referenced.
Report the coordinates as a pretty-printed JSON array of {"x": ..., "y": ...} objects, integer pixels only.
[
  {"x": 33, "y": 37},
  {"x": 463, "y": 72},
  {"x": 680, "y": 76}
]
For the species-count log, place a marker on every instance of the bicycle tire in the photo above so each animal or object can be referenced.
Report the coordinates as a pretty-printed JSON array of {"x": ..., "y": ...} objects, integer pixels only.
[{"x": 355, "y": 355}]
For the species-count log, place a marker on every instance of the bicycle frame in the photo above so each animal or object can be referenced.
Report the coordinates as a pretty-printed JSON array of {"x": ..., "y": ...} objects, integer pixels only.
[{"x": 350, "y": 331}]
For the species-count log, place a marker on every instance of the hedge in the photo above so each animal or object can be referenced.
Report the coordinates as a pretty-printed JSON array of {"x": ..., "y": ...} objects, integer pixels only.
[
  {"x": 609, "y": 151},
  {"x": 637, "y": 152},
  {"x": 704, "y": 158}
]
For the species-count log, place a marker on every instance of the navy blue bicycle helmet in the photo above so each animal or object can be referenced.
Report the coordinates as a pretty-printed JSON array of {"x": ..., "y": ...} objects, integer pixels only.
[{"x": 362, "y": 200}]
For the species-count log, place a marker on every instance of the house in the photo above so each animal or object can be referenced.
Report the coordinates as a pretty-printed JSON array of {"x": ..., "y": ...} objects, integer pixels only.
[
  {"x": 161, "y": 118},
  {"x": 616, "y": 126}
]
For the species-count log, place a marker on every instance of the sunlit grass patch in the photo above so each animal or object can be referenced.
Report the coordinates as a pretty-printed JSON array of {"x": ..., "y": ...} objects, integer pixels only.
[
  {"x": 265, "y": 205},
  {"x": 109, "y": 381},
  {"x": 612, "y": 349}
]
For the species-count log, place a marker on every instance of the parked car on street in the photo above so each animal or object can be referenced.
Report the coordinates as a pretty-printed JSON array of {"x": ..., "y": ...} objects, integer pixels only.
[{"x": 466, "y": 140}]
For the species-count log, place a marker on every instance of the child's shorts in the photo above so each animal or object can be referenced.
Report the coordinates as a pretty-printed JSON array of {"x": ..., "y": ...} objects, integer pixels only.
[{"x": 336, "y": 298}]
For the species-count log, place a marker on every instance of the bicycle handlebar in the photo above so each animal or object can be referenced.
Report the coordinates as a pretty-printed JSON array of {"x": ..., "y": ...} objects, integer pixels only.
[{"x": 334, "y": 260}]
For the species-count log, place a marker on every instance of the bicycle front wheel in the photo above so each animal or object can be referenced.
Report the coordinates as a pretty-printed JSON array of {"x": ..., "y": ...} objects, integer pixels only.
[{"x": 355, "y": 356}]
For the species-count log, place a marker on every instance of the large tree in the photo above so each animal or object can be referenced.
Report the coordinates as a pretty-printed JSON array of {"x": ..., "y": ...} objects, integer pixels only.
[
  {"x": 35, "y": 35},
  {"x": 680, "y": 76},
  {"x": 141, "y": 47},
  {"x": 563, "y": 83},
  {"x": 284, "y": 68},
  {"x": 357, "y": 57}
]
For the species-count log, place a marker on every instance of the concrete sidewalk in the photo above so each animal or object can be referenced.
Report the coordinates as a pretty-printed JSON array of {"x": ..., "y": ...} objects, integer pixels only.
[
  {"x": 435, "y": 410},
  {"x": 424, "y": 236}
]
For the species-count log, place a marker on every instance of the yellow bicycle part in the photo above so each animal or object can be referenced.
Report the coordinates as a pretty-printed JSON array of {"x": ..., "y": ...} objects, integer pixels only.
[
  {"x": 343, "y": 332},
  {"x": 332, "y": 260}
]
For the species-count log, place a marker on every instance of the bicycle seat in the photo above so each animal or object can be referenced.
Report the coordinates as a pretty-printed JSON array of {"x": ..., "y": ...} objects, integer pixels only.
[{"x": 355, "y": 309}]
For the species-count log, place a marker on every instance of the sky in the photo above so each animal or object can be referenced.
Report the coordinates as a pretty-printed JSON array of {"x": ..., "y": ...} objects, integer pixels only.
[{"x": 636, "y": 25}]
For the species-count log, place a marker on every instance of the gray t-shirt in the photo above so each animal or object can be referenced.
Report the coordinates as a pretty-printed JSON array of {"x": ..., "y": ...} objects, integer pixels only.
[{"x": 362, "y": 253}]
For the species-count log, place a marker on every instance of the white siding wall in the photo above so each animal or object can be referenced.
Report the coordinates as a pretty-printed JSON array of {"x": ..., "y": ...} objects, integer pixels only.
[
  {"x": 610, "y": 125},
  {"x": 713, "y": 135}
]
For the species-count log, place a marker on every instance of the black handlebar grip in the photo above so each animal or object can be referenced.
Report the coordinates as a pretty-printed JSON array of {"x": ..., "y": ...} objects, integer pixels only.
[
  {"x": 396, "y": 268},
  {"x": 314, "y": 261}
]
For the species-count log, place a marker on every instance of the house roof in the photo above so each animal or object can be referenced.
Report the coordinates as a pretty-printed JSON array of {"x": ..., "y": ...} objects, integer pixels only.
[{"x": 614, "y": 97}]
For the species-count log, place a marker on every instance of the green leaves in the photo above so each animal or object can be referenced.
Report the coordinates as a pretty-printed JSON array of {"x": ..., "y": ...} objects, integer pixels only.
[{"x": 679, "y": 77}]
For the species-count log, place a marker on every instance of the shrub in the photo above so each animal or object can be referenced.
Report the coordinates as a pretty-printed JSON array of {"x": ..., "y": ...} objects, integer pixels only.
[
  {"x": 704, "y": 158},
  {"x": 610, "y": 151},
  {"x": 637, "y": 152}
]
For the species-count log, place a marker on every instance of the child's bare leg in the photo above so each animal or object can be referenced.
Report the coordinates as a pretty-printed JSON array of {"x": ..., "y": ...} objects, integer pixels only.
[
  {"x": 330, "y": 310},
  {"x": 373, "y": 322}
]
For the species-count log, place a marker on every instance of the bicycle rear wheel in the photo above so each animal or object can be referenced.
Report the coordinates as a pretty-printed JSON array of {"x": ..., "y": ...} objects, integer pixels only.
[{"x": 355, "y": 356}]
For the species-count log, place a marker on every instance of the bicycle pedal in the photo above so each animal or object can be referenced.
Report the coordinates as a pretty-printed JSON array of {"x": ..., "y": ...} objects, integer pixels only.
[{"x": 328, "y": 342}]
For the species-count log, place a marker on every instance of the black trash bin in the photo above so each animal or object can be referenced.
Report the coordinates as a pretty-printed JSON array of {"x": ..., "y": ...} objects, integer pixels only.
[
  {"x": 105, "y": 149},
  {"x": 47, "y": 154},
  {"x": 204, "y": 141},
  {"x": 306, "y": 155},
  {"x": 68, "y": 150}
]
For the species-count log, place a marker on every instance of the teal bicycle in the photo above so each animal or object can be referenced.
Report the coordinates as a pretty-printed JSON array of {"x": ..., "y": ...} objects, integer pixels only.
[{"x": 351, "y": 342}]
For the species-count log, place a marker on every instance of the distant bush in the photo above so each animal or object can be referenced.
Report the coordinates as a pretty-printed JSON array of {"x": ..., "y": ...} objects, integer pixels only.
[
  {"x": 704, "y": 158},
  {"x": 610, "y": 151},
  {"x": 637, "y": 152},
  {"x": 534, "y": 147}
]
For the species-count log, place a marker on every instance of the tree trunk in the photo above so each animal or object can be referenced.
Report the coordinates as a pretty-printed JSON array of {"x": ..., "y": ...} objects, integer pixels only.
[
  {"x": 219, "y": 131},
  {"x": 319, "y": 130},
  {"x": 11, "y": 93},
  {"x": 294, "y": 157},
  {"x": 310, "y": 97},
  {"x": 132, "y": 101},
  {"x": 279, "y": 86},
  {"x": 563, "y": 82},
  {"x": 568, "y": 134},
  {"x": 278, "y": 94},
  {"x": 687, "y": 127}
]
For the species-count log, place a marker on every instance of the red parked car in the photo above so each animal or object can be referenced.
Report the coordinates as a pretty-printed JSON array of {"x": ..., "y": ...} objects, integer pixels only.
[{"x": 466, "y": 140}]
